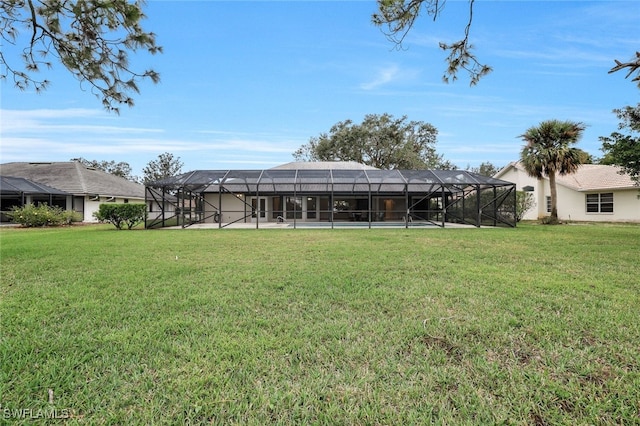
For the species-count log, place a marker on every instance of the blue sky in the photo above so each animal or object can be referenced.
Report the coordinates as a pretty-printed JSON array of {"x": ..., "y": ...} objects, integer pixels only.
[{"x": 244, "y": 84}]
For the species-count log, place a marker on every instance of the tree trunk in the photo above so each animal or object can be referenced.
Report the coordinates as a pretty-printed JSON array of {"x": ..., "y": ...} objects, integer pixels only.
[{"x": 554, "y": 197}]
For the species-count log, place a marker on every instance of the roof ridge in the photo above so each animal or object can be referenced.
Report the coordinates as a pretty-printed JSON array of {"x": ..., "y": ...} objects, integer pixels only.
[{"x": 83, "y": 183}]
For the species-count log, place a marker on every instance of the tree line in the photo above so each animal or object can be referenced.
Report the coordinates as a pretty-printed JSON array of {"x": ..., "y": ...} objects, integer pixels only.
[{"x": 166, "y": 165}]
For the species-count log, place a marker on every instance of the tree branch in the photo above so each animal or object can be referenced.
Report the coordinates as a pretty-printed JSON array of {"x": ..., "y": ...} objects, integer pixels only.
[
  {"x": 81, "y": 46},
  {"x": 633, "y": 66},
  {"x": 399, "y": 16}
]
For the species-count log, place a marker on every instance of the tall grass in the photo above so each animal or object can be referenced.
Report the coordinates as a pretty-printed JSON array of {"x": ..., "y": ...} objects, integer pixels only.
[{"x": 534, "y": 325}]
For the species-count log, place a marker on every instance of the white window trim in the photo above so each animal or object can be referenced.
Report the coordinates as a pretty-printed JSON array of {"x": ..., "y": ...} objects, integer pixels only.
[{"x": 599, "y": 203}]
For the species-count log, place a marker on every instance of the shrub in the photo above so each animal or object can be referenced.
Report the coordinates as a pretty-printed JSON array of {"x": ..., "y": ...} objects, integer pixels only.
[
  {"x": 525, "y": 201},
  {"x": 70, "y": 216},
  {"x": 121, "y": 214},
  {"x": 31, "y": 215},
  {"x": 548, "y": 220}
]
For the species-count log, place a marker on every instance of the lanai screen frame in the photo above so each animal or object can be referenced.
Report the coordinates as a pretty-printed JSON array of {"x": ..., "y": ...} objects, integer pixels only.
[
  {"x": 465, "y": 197},
  {"x": 15, "y": 191}
]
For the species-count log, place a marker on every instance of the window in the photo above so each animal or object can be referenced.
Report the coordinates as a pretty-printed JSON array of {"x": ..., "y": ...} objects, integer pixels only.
[
  {"x": 311, "y": 207},
  {"x": 548, "y": 204},
  {"x": 276, "y": 204},
  {"x": 261, "y": 208},
  {"x": 293, "y": 206},
  {"x": 599, "y": 203}
]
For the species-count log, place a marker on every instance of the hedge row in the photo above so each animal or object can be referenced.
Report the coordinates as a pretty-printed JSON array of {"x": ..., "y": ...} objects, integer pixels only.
[{"x": 31, "y": 215}]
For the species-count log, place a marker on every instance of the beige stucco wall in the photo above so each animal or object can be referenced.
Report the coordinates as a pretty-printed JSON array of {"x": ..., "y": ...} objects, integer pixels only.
[
  {"x": 233, "y": 208},
  {"x": 521, "y": 180},
  {"x": 155, "y": 211},
  {"x": 626, "y": 205},
  {"x": 89, "y": 208},
  {"x": 572, "y": 203}
]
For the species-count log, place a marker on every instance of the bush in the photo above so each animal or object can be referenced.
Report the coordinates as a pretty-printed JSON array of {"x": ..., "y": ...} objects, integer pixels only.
[
  {"x": 121, "y": 214},
  {"x": 548, "y": 220},
  {"x": 31, "y": 215},
  {"x": 525, "y": 201},
  {"x": 70, "y": 216}
]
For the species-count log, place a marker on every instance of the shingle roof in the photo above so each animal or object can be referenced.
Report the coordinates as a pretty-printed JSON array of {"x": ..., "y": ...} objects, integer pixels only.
[
  {"x": 73, "y": 177},
  {"x": 590, "y": 177}
]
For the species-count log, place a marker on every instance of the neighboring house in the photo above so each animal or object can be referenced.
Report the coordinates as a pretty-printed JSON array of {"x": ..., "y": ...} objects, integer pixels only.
[
  {"x": 595, "y": 193},
  {"x": 332, "y": 192},
  {"x": 85, "y": 187}
]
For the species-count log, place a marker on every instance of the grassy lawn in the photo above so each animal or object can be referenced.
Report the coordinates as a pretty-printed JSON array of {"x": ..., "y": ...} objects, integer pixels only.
[{"x": 534, "y": 325}]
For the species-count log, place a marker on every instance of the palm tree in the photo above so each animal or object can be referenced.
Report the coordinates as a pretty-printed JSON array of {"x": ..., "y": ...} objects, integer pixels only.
[{"x": 548, "y": 151}]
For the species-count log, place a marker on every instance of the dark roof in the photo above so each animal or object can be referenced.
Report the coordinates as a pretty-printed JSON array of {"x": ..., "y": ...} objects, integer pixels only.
[
  {"x": 75, "y": 178},
  {"x": 326, "y": 180},
  {"x": 321, "y": 165},
  {"x": 10, "y": 185}
]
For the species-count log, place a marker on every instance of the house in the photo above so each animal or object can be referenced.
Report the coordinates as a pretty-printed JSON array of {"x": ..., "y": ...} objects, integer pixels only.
[
  {"x": 330, "y": 194},
  {"x": 80, "y": 188},
  {"x": 595, "y": 193}
]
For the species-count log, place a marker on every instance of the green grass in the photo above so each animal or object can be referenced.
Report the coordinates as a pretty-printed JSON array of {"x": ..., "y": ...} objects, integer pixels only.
[{"x": 534, "y": 325}]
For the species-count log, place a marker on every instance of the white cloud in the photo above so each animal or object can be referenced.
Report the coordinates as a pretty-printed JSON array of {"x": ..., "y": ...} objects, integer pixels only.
[
  {"x": 49, "y": 113},
  {"x": 383, "y": 76},
  {"x": 252, "y": 141},
  {"x": 249, "y": 145},
  {"x": 480, "y": 149},
  {"x": 48, "y": 120}
]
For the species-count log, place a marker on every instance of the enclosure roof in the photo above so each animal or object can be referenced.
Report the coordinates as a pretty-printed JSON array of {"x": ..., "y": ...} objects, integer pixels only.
[
  {"x": 323, "y": 165},
  {"x": 325, "y": 180},
  {"x": 10, "y": 185}
]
